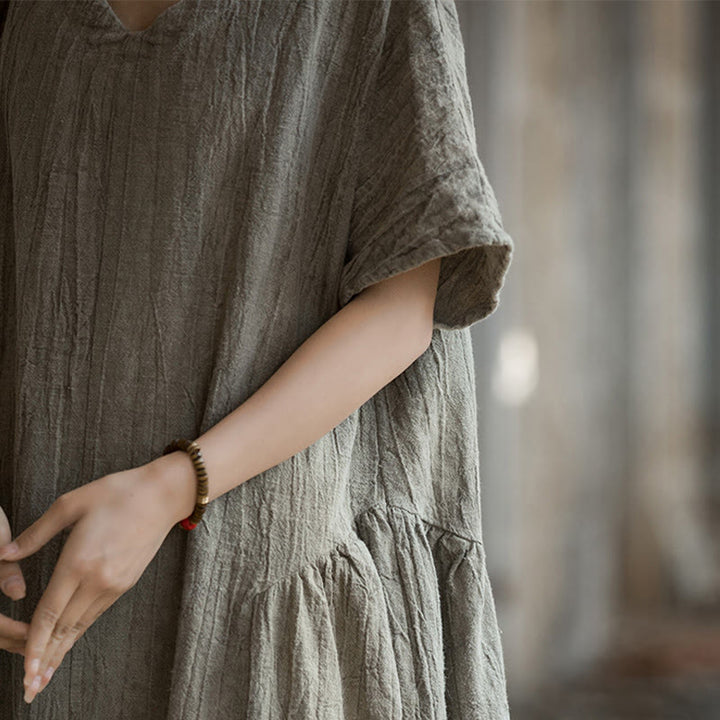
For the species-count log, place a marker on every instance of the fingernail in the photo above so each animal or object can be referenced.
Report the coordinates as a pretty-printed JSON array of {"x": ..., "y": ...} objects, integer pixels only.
[
  {"x": 48, "y": 673},
  {"x": 8, "y": 550},
  {"x": 32, "y": 689},
  {"x": 13, "y": 587}
]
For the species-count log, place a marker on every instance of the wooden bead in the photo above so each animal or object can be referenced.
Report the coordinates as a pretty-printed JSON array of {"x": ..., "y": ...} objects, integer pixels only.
[{"x": 193, "y": 450}]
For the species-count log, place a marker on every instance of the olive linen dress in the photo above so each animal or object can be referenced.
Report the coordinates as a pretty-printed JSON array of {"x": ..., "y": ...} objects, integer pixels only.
[{"x": 180, "y": 208}]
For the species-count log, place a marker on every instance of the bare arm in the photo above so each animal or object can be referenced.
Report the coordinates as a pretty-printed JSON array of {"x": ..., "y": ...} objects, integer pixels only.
[
  {"x": 119, "y": 520},
  {"x": 372, "y": 339}
]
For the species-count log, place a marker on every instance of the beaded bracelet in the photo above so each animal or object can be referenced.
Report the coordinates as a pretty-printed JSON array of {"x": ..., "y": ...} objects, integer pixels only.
[{"x": 193, "y": 449}]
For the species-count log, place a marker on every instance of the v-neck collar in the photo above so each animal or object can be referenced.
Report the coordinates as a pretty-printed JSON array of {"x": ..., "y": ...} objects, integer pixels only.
[
  {"x": 169, "y": 26},
  {"x": 159, "y": 18}
]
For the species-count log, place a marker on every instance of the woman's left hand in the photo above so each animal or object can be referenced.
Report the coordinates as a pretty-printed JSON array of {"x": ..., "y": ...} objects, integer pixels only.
[{"x": 119, "y": 522}]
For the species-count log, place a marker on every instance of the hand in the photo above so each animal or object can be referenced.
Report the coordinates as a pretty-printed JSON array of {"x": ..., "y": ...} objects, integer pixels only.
[
  {"x": 12, "y": 632},
  {"x": 118, "y": 524}
]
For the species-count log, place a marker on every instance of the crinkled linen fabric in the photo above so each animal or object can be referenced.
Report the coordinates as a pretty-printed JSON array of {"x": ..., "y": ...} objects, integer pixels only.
[{"x": 180, "y": 208}]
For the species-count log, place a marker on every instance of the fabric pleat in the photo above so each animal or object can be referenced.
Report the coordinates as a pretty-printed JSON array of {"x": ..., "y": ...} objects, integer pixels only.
[{"x": 369, "y": 630}]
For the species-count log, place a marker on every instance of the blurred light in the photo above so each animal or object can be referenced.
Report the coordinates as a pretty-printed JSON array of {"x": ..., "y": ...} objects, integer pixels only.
[{"x": 515, "y": 373}]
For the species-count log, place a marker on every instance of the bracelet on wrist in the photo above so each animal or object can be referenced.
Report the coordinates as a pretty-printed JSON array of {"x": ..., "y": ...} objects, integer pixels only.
[{"x": 192, "y": 448}]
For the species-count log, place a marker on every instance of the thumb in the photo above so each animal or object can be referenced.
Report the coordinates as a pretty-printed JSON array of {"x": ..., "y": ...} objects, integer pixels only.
[
  {"x": 12, "y": 582},
  {"x": 58, "y": 516}
]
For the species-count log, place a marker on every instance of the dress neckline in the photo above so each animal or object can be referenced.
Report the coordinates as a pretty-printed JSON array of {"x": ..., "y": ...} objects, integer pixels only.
[
  {"x": 169, "y": 26},
  {"x": 159, "y": 18}
]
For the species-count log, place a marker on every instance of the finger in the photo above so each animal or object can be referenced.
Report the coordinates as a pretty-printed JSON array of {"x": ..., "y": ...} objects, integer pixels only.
[
  {"x": 12, "y": 646},
  {"x": 12, "y": 582},
  {"x": 8, "y": 570},
  {"x": 72, "y": 622},
  {"x": 14, "y": 629},
  {"x": 63, "y": 512},
  {"x": 101, "y": 604},
  {"x": 5, "y": 533},
  {"x": 50, "y": 608}
]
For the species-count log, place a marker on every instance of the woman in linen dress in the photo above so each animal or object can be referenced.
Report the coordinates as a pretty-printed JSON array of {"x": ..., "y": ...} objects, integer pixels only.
[{"x": 181, "y": 207}]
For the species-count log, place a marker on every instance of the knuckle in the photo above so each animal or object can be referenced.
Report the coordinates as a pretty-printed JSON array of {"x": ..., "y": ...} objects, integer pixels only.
[
  {"x": 59, "y": 632},
  {"x": 82, "y": 627},
  {"x": 46, "y": 615},
  {"x": 68, "y": 641},
  {"x": 106, "y": 577}
]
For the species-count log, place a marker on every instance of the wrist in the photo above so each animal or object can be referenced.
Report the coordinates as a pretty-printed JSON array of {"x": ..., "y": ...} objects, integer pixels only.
[{"x": 173, "y": 476}]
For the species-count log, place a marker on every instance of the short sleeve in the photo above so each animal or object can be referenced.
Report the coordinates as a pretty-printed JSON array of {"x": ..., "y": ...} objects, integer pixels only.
[{"x": 421, "y": 191}]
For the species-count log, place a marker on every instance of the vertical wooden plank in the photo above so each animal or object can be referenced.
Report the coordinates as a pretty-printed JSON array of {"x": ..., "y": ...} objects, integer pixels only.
[
  {"x": 548, "y": 419},
  {"x": 669, "y": 553},
  {"x": 598, "y": 40},
  {"x": 709, "y": 49}
]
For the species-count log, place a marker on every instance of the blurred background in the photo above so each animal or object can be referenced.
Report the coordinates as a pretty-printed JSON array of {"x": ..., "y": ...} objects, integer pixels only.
[{"x": 597, "y": 376}]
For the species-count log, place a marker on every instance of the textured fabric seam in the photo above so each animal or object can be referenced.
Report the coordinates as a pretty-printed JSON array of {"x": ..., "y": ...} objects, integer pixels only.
[
  {"x": 429, "y": 523},
  {"x": 339, "y": 544}
]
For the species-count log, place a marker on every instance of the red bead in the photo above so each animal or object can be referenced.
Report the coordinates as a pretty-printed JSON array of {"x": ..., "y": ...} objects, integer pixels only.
[{"x": 187, "y": 524}]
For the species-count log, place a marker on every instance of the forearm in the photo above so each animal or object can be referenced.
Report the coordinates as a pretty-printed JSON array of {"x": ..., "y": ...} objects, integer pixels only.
[{"x": 359, "y": 350}]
